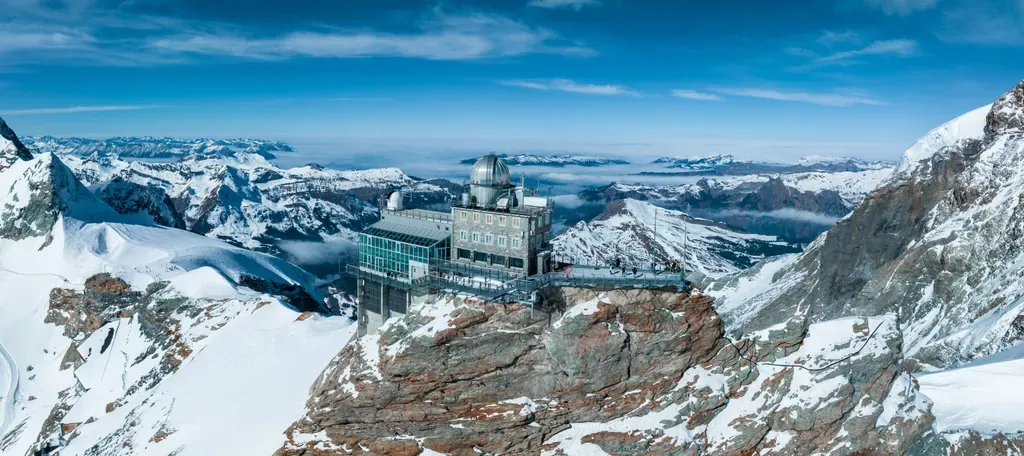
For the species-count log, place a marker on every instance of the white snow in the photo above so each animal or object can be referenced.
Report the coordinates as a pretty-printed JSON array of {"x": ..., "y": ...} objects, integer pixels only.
[
  {"x": 237, "y": 395},
  {"x": 587, "y": 308},
  {"x": 969, "y": 125},
  {"x": 986, "y": 396}
]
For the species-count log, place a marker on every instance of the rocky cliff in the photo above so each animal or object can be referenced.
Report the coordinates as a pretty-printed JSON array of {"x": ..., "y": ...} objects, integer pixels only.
[
  {"x": 940, "y": 244},
  {"x": 619, "y": 372}
]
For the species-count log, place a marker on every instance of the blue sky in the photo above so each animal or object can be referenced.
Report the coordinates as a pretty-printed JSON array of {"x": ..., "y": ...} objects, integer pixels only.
[{"x": 774, "y": 80}]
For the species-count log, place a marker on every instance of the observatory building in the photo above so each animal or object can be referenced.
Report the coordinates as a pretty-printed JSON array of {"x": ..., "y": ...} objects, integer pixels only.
[
  {"x": 496, "y": 231},
  {"x": 500, "y": 225}
]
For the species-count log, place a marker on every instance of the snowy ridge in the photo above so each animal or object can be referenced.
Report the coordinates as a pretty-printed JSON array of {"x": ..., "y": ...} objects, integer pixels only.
[
  {"x": 247, "y": 200},
  {"x": 968, "y": 126},
  {"x": 626, "y": 230}
]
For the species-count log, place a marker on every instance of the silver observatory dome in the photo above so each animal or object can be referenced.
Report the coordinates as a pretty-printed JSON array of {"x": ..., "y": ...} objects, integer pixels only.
[{"x": 490, "y": 171}]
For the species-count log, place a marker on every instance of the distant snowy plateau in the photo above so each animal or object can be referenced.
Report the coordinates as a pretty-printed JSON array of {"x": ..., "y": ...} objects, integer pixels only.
[{"x": 148, "y": 307}]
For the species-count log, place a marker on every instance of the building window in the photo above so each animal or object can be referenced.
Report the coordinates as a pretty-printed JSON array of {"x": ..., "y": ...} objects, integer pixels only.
[
  {"x": 515, "y": 222},
  {"x": 515, "y": 262},
  {"x": 480, "y": 256},
  {"x": 476, "y": 217},
  {"x": 476, "y": 237},
  {"x": 501, "y": 220},
  {"x": 465, "y": 254},
  {"x": 498, "y": 260},
  {"x": 515, "y": 243},
  {"x": 463, "y": 215},
  {"x": 490, "y": 219},
  {"x": 501, "y": 241},
  {"x": 464, "y": 236},
  {"x": 489, "y": 239}
]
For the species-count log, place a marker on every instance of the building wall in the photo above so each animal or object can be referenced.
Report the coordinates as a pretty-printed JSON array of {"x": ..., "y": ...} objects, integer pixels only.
[{"x": 532, "y": 228}]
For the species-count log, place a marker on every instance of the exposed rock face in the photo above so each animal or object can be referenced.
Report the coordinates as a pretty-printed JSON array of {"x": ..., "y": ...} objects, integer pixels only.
[
  {"x": 632, "y": 372},
  {"x": 1007, "y": 115},
  {"x": 127, "y": 197},
  {"x": 939, "y": 245},
  {"x": 42, "y": 189},
  {"x": 11, "y": 148}
]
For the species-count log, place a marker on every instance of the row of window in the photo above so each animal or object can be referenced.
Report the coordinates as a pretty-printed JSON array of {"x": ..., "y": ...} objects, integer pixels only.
[
  {"x": 491, "y": 259},
  {"x": 489, "y": 219},
  {"x": 488, "y": 238}
]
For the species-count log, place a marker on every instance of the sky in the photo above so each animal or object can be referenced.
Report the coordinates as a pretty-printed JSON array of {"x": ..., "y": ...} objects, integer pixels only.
[{"x": 346, "y": 79}]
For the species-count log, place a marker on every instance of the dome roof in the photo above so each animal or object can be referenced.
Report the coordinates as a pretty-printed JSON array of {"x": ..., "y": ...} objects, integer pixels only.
[{"x": 489, "y": 170}]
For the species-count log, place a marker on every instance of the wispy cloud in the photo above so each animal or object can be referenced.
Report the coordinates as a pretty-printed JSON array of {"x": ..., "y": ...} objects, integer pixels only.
[
  {"x": 38, "y": 33},
  {"x": 695, "y": 95},
  {"x": 553, "y": 4},
  {"x": 568, "y": 85},
  {"x": 984, "y": 22},
  {"x": 881, "y": 48},
  {"x": 900, "y": 7},
  {"x": 823, "y": 99},
  {"x": 364, "y": 99},
  {"x": 77, "y": 109},
  {"x": 830, "y": 38},
  {"x": 442, "y": 37}
]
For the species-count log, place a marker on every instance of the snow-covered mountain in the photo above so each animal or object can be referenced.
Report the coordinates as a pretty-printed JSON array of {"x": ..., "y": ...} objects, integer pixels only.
[
  {"x": 641, "y": 234},
  {"x": 149, "y": 147},
  {"x": 122, "y": 337},
  {"x": 939, "y": 244},
  {"x": 728, "y": 165},
  {"x": 796, "y": 207},
  {"x": 553, "y": 160},
  {"x": 247, "y": 200},
  {"x": 696, "y": 162}
]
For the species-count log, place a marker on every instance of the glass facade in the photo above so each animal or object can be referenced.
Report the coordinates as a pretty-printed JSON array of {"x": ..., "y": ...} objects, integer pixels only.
[{"x": 389, "y": 253}]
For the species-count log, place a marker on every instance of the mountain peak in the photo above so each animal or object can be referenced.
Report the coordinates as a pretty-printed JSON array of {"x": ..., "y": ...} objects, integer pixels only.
[
  {"x": 1007, "y": 114},
  {"x": 11, "y": 148}
]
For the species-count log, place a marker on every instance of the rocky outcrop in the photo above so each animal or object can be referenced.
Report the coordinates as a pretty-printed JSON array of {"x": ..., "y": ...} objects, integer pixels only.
[
  {"x": 42, "y": 189},
  {"x": 128, "y": 198},
  {"x": 1007, "y": 115},
  {"x": 628, "y": 371}
]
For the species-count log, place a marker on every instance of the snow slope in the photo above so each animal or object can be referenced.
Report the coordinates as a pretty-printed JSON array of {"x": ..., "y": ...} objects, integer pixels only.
[
  {"x": 184, "y": 361},
  {"x": 235, "y": 397},
  {"x": 967, "y": 126},
  {"x": 985, "y": 398}
]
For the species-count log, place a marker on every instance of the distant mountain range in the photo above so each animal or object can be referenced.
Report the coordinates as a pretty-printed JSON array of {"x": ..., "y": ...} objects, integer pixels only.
[
  {"x": 552, "y": 160},
  {"x": 728, "y": 165},
  {"x": 155, "y": 148}
]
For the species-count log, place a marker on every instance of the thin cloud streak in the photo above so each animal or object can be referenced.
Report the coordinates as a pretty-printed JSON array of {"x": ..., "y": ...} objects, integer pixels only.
[
  {"x": 77, "y": 109},
  {"x": 695, "y": 95},
  {"x": 568, "y": 85},
  {"x": 901, "y": 7},
  {"x": 443, "y": 37},
  {"x": 823, "y": 99},
  {"x": 555, "y": 4}
]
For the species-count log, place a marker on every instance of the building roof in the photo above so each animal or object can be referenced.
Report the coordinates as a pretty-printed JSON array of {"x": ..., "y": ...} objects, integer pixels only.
[
  {"x": 409, "y": 233},
  {"x": 489, "y": 171}
]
